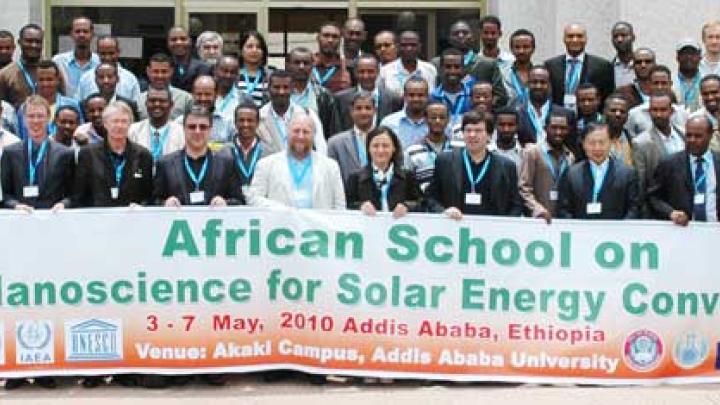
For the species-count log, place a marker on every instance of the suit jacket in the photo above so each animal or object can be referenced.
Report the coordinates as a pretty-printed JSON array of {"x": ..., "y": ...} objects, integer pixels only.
[
  {"x": 140, "y": 133},
  {"x": 341, "y": 147},
  {"x": 631, "y": 93},
  {"x": 672, "y": 186},
  {"x": 96, "y": 175},
  {"x": 362, "y": 187},
  {"x": 229, "y": 151},
  {"x": 528, "y": 134},
  {"x": 389, "y": 102},
  {"x": 54, "y": 179},
  {"x": 446, "y": 188},
  {"x": 273, "y": 186},
  {"x": 195, "y": 68},
  {"x": 536, "y": 180},
  {"x": 483, "y": 69},
  {"x": 327, "y": 110},
  {"x": 595, "y": 70},
  {"x": 648, "y": 150},
  {"x": 619, "y": 195},
  {"x": 268, "y": 131},
  {"x": 220, "y": 180}
]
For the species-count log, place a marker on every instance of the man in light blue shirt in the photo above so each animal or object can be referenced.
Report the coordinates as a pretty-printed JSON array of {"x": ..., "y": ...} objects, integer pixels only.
[
  {"x": 109, "y": 51},
  {"x": 81, "y": 59},
  {"x": 409, "y": 124}
]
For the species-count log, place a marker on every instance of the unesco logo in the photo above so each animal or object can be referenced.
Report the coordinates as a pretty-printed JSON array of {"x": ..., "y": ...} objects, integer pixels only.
[{"x": 93, "y": 340}]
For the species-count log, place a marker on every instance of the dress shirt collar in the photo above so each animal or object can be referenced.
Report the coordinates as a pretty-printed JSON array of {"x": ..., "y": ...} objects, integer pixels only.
[{"x": 580, "y": 58}]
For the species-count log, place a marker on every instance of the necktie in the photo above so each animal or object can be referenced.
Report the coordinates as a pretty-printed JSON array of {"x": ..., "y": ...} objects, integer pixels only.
[
  {"x": 570, "y": 80},
  {"x": 155, "y": 146},
  {"x": 699, "y": 212}
]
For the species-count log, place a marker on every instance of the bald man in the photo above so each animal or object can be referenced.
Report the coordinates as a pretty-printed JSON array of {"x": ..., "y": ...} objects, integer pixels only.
[{"x": 569, "y": 70}]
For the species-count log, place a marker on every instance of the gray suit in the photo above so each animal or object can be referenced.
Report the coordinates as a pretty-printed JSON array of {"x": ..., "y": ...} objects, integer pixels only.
[{"x": 341, "y": 147}]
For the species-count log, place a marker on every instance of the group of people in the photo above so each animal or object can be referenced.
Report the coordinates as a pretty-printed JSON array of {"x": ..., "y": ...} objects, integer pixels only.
[{"x": 476, "y": 130}]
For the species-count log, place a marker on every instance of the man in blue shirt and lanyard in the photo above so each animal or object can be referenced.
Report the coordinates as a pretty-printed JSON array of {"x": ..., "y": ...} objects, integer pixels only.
[
  {"x": 452, "y": 91},
  {"x": 409, "y": 123},
  {"x": 17, "y": 80},
  {"x": 80, "y": 59}
]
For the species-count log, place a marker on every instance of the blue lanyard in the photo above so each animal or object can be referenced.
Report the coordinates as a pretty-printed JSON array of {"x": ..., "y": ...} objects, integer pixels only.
[
  {"x": 250, "y": 87},
  {"x": 431, "y": 151},
  {"x": 469, "y": 58},
  {"x": 459, "y": 106},
  {"x": 298, "y": 176},
  {"x": 203, "y": 170},
  {"x": 536, "y": 121},
  {"x": 384, "y": 184},
  {"x": 468, "y": 169},
  {"x": 119, "y": 171},
  {"x": 158, "y": 144},
  {"x": 326, "y": 77},
  {"x": 32, "y": 166},
  {"x": 548, "y": 159},
  {"x": 597, "y": 181},
  {"x": 701, "y": 179},
  {"x": 247, "y": 171},
  {"x": 520, "y": 89},
  {"x": 360, "y": 148},
  {"x": 302, "y": 99},
  {"x": 225, "y": 101},
  {"x": 281, "y": 128},
  {"x": 28, "y": 78},
  {"x": 689, "y": 94},
  {"x": 573, "y": 77}
]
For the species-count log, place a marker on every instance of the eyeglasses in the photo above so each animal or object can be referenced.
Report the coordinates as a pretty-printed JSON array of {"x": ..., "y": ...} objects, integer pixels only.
[{"x": 197, "y": 127}]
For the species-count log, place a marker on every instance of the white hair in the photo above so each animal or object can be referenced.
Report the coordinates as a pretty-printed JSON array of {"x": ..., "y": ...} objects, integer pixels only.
[
  {"x": 300, "y": 115},
  {"x": 117, "y": 107},
  {"x": 206, "y": 36}
]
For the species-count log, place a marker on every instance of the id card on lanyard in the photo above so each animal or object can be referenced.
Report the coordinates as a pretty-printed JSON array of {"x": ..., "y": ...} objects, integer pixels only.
[
  {"x": 473, "y": 197},
  {"x": 197, "y": 196},
  {"x": 556, "y": 173},
  {"x": 32, "y": 190},
  {"x": 598, "y": 176},
  {"x": 119, "y": 167}
]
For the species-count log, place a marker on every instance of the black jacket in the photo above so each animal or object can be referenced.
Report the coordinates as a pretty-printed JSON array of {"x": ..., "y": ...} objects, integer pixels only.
[
  {"x": 595, "y": 70},
  {"x": 54, "y": 179},
  {"x": 96, "y": 176},
  {"x": 446, "y": 188},
  {"x": 389, "y": 102},
  {"x": 327, "y": 111},
  {"x": 195, "y": 68},
  {"x": 619, "y": 195},
  {"x": 403, "y": 189},
  {"x": 672, "y": 188},
  {"x": 528, "y": 134},
  {"x": 220, "y": 179}
]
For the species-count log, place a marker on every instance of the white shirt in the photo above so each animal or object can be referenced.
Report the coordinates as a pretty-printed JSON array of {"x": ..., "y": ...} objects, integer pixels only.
[
  {"x": 710, "y": 184},
  {"x": 673, "y": 142},
  {"x": 394, "y": 75}
]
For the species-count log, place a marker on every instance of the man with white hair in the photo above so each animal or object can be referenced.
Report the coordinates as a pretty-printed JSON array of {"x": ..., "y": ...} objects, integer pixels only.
[
  {"x": 298, "y": 177},
  {"x": 209, "y": 47}
]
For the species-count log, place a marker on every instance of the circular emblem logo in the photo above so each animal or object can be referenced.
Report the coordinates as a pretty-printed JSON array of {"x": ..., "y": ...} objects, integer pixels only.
[
  {"x": 643, "y": 350},
  {"x": 690, "y": 350},
  {"x": 34, "y": 335}
]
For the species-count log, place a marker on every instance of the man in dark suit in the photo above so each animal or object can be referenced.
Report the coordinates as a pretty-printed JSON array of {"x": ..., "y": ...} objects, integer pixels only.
[
  {"x": 534, "y": 116},
  {"x": 600, "y": 187},
  {"x": 195, "y": 175},
  {"x": 348, "y": 147},
  {"x": 473, "y": 180},
  {"x": 477, "y": 66},
  {"x": 116, "y": 172},
  {"x": 106, "y": 78},
  {"x": 569, "y": 70},
  {"x": 187, "y": 68},
  {"x": 37, "y": 172},
  {"x": 684, "y": 186},
  {"x": 366, "y": 74}
]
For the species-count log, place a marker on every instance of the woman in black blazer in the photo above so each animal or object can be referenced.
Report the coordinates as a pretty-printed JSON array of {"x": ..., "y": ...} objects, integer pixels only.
[{"x": 382, "y": 184}]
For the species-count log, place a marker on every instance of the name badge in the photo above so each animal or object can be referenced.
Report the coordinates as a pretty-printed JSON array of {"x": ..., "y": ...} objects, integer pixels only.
[
  {"x": 699, "y": 199},
  {"x": 570, "y": 101},
  {"x": 594, "y": 208},
  {"x": 553, "y": 195},
  {"x": 114, "y": 193},
  {"x": 473, "y": 199},
  {"x": 31, "y": 191},
  {"x": 138, "y": 175},
  {"x": 197, "y": 197}
]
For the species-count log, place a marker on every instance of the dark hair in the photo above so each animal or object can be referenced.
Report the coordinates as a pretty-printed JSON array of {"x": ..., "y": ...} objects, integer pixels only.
[
  {"x": 556, "y": 112},
  {"x": 587, "y": 86},
  {"x": 414, "y": 79},
  {"x": 450, "y": 52},
  {"x": 492, "y": 20},
  {"x": 506, "y": 110},
  {"x": 329, "y": 23},
  {"x": 705, "y": 118},
  {"x": 106, "y": 38},
  {"x": 594, "y": 127},
  {"x": 616, "y": 96},
  {"x": 112, "y": 65},
  {"x": 538, "y": 67},
  {"x": 413, "y": 32},
  {"x": 247, "y": 105},
  {"x": 68, "y": 107},
  {"x": 660, "y": 68},
  {"x": 161, "y": 57},
  {"x": 280, "y": 74},
  {"x": 397, "y": 154},
  {"x": 164, "y": 89},
  {"x": 82, "y": 17},
  {"x": 368, "y": 56},
  {"x": 7, "y": 34},
  {"x": 263, "y": 45},
  {"x": 522, "y": 32},
  {"x": 362, "y": 96},
  {"x": 662, "y": 93},
  {"x": 437, "y": 103},
  {"x": 395, "y": 38},
  {"x": 30, "y": 26},
  {"x": 711, "y": 76},
  {"x": 87, "y": 100},
  {"x": 197, "y": 110},
  {"x": 294, "y": 51},
  {"x": 623, "y": 23},
  {"x": 48, "y": 64},
  {"x": 475, "y": 117}
]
